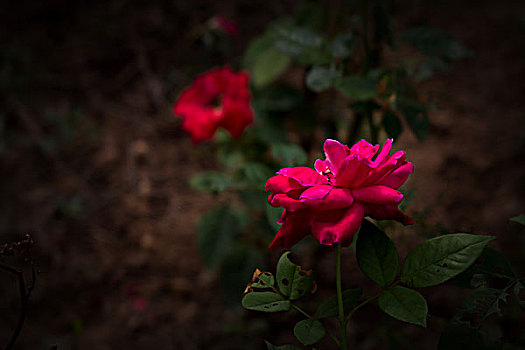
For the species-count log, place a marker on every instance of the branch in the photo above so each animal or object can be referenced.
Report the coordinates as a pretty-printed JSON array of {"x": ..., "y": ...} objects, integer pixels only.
[{"x": 25, "y": 293}]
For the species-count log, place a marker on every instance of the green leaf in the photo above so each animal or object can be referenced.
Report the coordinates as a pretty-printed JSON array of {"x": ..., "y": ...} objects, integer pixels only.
[
  {"x": 256, "y": 173},
  {"x": 394, "y": 80},
  {"x": 342, "y": 45},
  {"x": 319, "y": 78},
  {"x": 490, "y": 264},
  {"x": 434, "y": 42},
  {"x": 268, "y": 66},
  {"x": 404, "y": 304},
  {"x": 520, "y": 219},
  {"x": 392, "y": 125},
  {"x": 281, "y": 347},
  {"x": 357, "y": 88},
  {"x": 416, "y": 115},
  {"x": 329, "y": 307},
  {"x": 288, "y": 154},
  {"x": 212, "y": 181},
  {"x": 376, "y": 254},
  {"x": 217, "y": 230},
  {"x": 262, "y": 280},
  {"x": 518, "y": 287},
  {"x": 256, "y": 48},
  {"x": 229, "y": 158},
  {"x": 441, "y": 258},
  {"x": 309, "y": 331},
  {"x": 293, "y": 281},
  {"x": 303, "y": 44},
  {"x": 294, "y": 41},
  {"x": 265, "y": 302},
  {"x": 479, "y": 305}
]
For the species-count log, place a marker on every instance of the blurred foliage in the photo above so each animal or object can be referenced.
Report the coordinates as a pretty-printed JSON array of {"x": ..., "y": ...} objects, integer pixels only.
[
  {"x": 348, "y": 59},
  {"x": 344, "y": 81}
]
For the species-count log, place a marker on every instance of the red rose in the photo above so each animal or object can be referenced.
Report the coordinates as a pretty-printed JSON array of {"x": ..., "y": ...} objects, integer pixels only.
[
  {"x": 216, "y": 98},
  {"x": 331, "y": 201}
]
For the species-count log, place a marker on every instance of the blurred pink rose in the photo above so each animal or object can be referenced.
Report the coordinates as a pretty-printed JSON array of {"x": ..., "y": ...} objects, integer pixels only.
[
  {"x": 331, "y": 201},
  {"x": 224, "y": 25}
]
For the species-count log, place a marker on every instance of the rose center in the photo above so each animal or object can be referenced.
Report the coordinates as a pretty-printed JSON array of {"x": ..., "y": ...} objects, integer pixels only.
[{"x": 216, "y": 102}]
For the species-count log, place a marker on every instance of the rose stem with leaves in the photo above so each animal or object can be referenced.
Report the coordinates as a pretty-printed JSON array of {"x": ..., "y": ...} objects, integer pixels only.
[
  {"x": 301, "y": 311},
  {"x": 342, "y": 321}
]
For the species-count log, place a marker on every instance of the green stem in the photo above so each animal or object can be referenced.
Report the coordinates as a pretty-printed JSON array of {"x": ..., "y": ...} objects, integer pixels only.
[
  {"x": 373, "y": 128},
  {"x": 368, "y": 300},
  {"x": 510, "y": 285},
  {"x": 342, "y": 320},
  {"x": 354, "y": 128},
  {"x": 301, "y": 311},
  {"x": 497, "y": 274}
]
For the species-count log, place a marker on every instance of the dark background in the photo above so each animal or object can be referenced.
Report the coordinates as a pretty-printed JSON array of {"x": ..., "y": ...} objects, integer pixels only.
[{"x": 96, "y": 168}]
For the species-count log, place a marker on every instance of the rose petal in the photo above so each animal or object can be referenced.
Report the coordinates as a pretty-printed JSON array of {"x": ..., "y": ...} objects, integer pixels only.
[
  {"x": 387, "y": 212},
  {"x": 303, "y": 175},
  {"x": 316, "y": 192},
  {"x": 296, "y": 194},
  {"x": 375, "y": 175},
  {"x": 335, "y": 153},
  {"x": 331, "y": 206},
  {"x": 237, "y": 115},
  {"x": 360, "y": 146},
  {"x": 290, "y": 204},
  {"x": 340, "y": 231},
  {"x": 377, "y": 195},
  {"x": 322, "y": 198},
  {"x": 398, "y": 177},
  {"x": 188, "y": 100},
  {"x": 238, "y": 86},
  {"x": 295, "y": 227},
  {"x": 352, "y": 172},
  {"x": 383, "y": 155},
  {"x": 281, "y": 220},
  {"x": 201, "y": 124},
  {"x": 364, "y": 150},
  {"x": 321, "y": 166},
  {"x": 281, "y": 184}
]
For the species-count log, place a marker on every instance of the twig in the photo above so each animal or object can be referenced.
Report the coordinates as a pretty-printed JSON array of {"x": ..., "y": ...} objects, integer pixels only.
[{"x": 25, "y": 293}]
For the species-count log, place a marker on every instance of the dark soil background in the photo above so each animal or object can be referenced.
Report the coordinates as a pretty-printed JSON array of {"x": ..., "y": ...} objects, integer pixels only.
[{"x": 96, "y": 168}]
